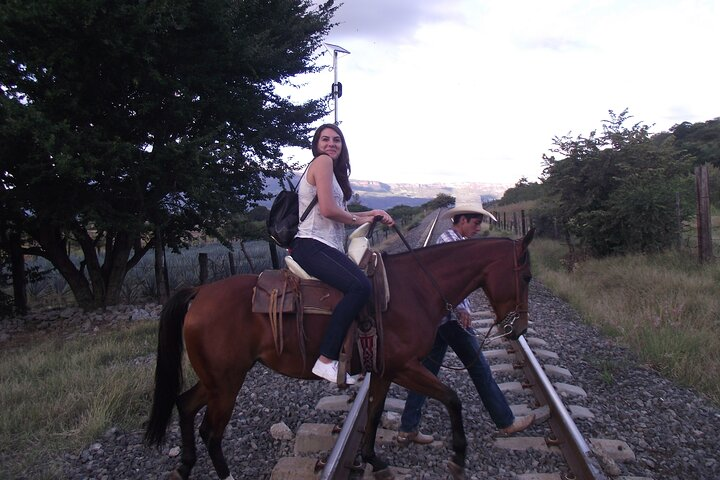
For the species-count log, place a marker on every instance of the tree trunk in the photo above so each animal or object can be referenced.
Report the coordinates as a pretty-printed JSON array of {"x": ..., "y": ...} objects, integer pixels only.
[
  {"x": 103, "y": 284},
  {"x": 53, "y": 247},
  {"x": 17, "y": 261},
  {"x": 114, "y": 271}
]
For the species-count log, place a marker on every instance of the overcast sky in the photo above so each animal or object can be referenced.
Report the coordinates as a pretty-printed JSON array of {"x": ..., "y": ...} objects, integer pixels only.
[{"x": 475, "y": 90}]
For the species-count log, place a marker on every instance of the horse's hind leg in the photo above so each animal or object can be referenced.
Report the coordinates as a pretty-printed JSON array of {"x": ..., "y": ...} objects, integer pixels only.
[
  {"x": 376, "y": 403},
  {"x": 188, "y": 405},
  {"x": 219, "y": 410}
]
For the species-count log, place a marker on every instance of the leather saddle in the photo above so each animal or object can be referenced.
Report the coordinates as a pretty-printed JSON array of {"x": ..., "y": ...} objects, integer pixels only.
[{"x": 293, "y": 291}]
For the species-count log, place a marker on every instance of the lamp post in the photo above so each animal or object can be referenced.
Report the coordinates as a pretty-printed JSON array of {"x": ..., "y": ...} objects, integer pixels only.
[{"x": 336, "y": 86}]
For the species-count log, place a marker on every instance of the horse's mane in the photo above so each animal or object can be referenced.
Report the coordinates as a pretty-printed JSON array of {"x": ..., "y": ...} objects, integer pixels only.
[{"x": 446, "y": 245}]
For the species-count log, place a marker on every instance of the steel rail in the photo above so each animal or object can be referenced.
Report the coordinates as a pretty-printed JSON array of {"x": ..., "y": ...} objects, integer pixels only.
[
  {"x": 568, "y": 438},
  {"x": 430, "y": 231},
  {"x": 565, "y": 435},
  {"x": 341, "y": 461}
]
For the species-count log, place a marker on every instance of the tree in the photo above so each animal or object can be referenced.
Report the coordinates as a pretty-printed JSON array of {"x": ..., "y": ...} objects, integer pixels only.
[
  {"x": 441, "y": 200},
  {"x": 122, "y": 119},
  {"x": 403, "y": 214},
  {"x": 617, "y": 191},
  {"x": 701, "y": 140},
  {"x": 523, "y": 191}
]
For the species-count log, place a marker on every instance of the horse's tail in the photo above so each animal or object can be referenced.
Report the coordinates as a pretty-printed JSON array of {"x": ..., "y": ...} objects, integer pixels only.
[{"x": 168, "y": 369}]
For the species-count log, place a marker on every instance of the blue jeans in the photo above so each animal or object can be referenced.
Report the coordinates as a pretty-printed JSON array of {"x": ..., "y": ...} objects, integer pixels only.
[
  {"x": 336, "y": 269},
  {"x": 466, "y": 346}
]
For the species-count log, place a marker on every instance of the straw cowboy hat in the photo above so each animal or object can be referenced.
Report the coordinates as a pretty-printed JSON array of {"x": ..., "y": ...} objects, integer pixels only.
[{"x": 471, "y": 208}]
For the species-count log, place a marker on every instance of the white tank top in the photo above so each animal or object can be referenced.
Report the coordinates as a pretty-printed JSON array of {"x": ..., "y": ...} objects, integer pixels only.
[{"x": 315, "y": 225}]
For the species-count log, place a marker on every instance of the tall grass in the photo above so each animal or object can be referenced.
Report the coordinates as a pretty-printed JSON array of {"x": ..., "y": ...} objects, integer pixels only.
[
  {"x": 57, "y": 396},
  {"x": 665, "y": 307}
]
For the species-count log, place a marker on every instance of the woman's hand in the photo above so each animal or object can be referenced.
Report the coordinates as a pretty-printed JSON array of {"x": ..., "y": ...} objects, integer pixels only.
[
  {"x": 385, "y": 217},
  {"x": 372, "y": 216}
]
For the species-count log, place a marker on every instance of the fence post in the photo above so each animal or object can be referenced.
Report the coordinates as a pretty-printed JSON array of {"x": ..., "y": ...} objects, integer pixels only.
[
  {"x": 161, "y": 281},
  {"x": 705, "y": 250},
  {"x": 203, "y": 260},
  {"x": 231, "y": 261},
  {"x": 679, "y": 220},
  {"x": 19, "y": 280}
]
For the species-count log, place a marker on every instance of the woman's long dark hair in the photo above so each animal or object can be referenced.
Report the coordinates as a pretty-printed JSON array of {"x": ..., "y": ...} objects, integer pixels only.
[{"x": 341, "y": 167}]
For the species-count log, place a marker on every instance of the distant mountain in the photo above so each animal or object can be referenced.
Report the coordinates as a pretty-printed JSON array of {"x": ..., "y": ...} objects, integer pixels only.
[
  {"x": 382, "y": 195},
  {"x": 385, "y": 195}
]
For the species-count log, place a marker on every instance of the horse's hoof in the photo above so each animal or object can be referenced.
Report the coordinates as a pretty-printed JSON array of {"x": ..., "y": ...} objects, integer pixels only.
[
  {"x": 384, "y": 474},
  {"x": 457, "y": 472}
]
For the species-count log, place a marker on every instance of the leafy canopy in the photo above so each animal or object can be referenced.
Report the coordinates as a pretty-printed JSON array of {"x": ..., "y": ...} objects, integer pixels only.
[
  {"x": 121, "y": 119},
  {"x": 617, "y": 191}
]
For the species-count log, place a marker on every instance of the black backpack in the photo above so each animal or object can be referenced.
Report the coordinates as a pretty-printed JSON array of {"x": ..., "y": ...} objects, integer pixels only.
[{"x": 283, "y": 221}]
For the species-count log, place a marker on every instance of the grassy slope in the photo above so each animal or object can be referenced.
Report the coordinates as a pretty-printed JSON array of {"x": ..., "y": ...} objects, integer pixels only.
[
  {"x": 665, "y": 307},
  {"x": 59, "y": 395}
]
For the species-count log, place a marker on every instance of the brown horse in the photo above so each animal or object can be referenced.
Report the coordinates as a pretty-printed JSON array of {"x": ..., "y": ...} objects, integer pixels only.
[{"x": 224, "y": 339}]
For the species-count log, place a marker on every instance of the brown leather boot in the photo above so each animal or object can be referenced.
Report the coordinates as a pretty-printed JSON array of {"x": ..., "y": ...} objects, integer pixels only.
[
  {"x": 519, "y": 424},
  {"x": 405, "y": 438}
]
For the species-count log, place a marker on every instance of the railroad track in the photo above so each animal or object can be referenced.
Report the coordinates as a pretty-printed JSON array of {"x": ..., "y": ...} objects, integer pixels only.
[{"x": 528, "y": 374}]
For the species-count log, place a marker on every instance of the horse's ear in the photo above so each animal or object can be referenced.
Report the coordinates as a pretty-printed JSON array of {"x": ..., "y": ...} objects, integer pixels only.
[{"x": 528, "y": 238}]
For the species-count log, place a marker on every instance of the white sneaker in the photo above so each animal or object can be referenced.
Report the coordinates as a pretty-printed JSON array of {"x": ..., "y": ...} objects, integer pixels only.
[{"x": 329, "y": 372}]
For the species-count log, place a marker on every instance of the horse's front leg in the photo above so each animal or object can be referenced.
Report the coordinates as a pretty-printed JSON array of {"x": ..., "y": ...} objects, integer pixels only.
[
  {"x": 376, "y": 403},
  {"x": 418, "y": 378}
]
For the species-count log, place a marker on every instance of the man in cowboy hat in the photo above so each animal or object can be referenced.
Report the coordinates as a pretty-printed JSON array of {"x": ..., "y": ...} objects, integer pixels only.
[{"x": 456, "y": 331}]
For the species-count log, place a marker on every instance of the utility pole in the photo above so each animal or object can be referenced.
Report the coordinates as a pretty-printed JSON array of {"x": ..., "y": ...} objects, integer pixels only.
[{"x": 336, "y": 86}]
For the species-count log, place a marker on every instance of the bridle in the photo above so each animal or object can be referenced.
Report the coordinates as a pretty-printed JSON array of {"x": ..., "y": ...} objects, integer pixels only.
[{"x": 507, "y": 324}]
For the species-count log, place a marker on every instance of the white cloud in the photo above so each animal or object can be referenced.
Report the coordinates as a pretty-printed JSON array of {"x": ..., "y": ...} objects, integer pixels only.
[{"x": 476, "y": 89}]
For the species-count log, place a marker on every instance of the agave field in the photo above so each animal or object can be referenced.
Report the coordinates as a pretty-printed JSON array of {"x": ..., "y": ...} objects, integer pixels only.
[{"x": 183, "y": 268}]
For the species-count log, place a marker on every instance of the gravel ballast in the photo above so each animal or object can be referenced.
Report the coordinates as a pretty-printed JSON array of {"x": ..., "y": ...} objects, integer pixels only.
[{"x": 671, "y": 429}]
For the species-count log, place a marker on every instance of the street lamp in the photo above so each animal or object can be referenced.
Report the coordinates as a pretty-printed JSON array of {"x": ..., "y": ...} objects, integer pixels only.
[{"x": 336, "y": 86}]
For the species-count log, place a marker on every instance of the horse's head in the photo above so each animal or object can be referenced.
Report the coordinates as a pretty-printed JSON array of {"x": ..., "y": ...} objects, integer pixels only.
[{"x": 507, "y": 288}]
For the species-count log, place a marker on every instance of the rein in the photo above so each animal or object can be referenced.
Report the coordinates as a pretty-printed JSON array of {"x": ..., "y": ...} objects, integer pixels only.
[{"x": 448, "y": 305}]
